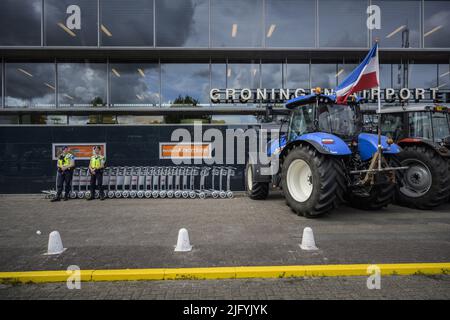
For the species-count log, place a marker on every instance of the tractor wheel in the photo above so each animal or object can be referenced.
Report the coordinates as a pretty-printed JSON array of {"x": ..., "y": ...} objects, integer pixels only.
[
  {"x": 379, "y": 196},
  {"x": 312, "y": 183},
  {"x": 426, "y": 184},
  {"x": 255, "y": 190}
]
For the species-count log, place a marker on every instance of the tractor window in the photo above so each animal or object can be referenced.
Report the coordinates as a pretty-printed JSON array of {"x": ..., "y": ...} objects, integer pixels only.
[
  {"x": 302, "y": 121},
  {"x": 440, "y": 126},
  {"x": 391, "y": 126},
  {"x": 420, "y": 125},
  {"x": 337, "y": 119}
]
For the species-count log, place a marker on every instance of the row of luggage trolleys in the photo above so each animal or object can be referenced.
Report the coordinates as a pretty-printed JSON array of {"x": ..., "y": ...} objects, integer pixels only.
[{"x": 157, "y": 182}]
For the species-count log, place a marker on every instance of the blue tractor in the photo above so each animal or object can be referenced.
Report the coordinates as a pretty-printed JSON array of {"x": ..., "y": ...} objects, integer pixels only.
[{"x": 324, "y": 159}]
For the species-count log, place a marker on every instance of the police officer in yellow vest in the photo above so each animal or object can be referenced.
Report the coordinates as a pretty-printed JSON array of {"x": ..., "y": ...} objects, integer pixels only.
[
  {"x": 96, "y": 166},
  {"x": 66, "y": 164}
]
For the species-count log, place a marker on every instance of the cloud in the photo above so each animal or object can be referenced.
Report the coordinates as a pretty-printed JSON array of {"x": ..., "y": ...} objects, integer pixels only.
[{"x": 20, "y": 22}]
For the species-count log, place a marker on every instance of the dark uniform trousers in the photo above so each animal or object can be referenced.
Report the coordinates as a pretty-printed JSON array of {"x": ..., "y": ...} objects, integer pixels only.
[
  {"x": 97, "y": 182},
  {"x": 64, "y": 177}
]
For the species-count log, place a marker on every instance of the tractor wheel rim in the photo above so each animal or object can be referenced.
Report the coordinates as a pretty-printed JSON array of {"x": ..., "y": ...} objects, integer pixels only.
[
  {"x": 299, "y": 180},
  {"x": 249, "y": 178},
  {"x": 417, "y": 180}
]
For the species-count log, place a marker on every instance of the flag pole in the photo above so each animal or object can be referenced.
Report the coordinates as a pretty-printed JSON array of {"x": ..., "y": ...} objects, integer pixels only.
[{"x": 380, "y": 148}]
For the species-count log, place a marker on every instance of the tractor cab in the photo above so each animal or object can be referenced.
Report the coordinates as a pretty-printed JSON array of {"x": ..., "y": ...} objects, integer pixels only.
[{"x": 320, "y": 113}]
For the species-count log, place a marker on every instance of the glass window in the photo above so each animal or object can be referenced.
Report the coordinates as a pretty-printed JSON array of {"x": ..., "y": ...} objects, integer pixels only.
[
  {"x": 9, "y": 119},
  {"x": 385, "y": 76},
  {"x": 272, "y": 75},
  {"x": 243, "y": 75},
  {"x": 92, "y": 119},
  {"x": 444, "y": 76},
  {"x": 420, "y": 125},
  {"x": 218, "y": 76},
  {"x": 81, "y": 84},
  {"x": 400, "y": 23},
  {"x": 126, "y": 23},
  {"x": 343, "y": 24},
  {"x": 182, "y": 23},
  {"x": 236, "y": 23},
  {"x": 30, "y": 84},
  {"x": 71, "y": 22},
  {"x": 437, "y": 24},
  {"x": 44, "y": 119},
  {"x": 20, "y": 22},
  {"x": 290, "y": 23},
  {"x": 134, "y": 84},
  {"x": 400, "y": 75},
  {"x": 297, "y": 76},
  {"x": 422, "y": 76},
  {"x": 343, "y": 70},
  {"x": 440, "y": 126},
  {"x": 184, "y": 84},
  {"x": 140, "y": 119},
  {"x": 392, "y": 126},
  {"x": 324, "y": 76}
]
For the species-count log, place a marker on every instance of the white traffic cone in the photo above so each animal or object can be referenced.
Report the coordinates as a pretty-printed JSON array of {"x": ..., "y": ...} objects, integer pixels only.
[
  {"x": 55, "y": 245},
  {"x": 308, "y": 242},
  {"x": 183, "y": 244}
]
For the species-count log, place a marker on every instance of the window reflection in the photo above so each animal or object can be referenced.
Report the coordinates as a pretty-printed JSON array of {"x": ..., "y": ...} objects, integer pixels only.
[
  {"x": 126, "y": 23},
  {"x": 185, "y": 84},
  {"x": 243, "y": 75},
  {"x": 71, "y": 22},
  {"x": 272, "y": 75},
  {"x": 342, "y": 24},
  {"x": 20, "y": 22},
  {"x": 82, "y": 84},
  {"x": 182, "y": 23},
  {"x": 290, "y": 23},
  {"x": 324, "y": 75},
  {"x": 297, "y": 75},
  {"x": 343, "y": 70},
  {"x": 44, "y": 119},
  {"x": 400, "y": 23},
  {"x": 134, "y": 84},
  {"x": 444, "y": 76},
  {"x": 437, "y": 24},
  {"x": 422, "y": 76},
  {"x": 236, "y": 23},
  {"x": 30, "y": 84}
]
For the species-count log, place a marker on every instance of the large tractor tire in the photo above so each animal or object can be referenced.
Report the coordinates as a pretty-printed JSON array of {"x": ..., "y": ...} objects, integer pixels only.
[
  {"x": 255, "y": 190},
  {"x": 312, "y": 183},
  {"x": 426, "y": 184},
  {"x": 378, "y": 196}
]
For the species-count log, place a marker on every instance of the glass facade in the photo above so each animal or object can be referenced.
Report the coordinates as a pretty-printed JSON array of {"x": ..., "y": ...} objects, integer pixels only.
[
  {"x": 225, "y": 23},
  {"x": 127, "y": 23},
  {"x": 153, "y": 84}
]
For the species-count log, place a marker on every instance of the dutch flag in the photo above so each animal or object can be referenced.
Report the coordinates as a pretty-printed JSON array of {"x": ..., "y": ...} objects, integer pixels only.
[{"x": 365, "y": 76}]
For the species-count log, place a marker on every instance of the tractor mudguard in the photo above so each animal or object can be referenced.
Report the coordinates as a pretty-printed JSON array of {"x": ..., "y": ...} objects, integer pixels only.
[
  {"x": 441, "y": 150},
  {"x": 368, "y": 145}
]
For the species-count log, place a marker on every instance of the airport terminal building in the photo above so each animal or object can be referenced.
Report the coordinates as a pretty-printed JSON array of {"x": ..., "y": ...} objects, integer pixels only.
[{"x": 127, "y": 73}]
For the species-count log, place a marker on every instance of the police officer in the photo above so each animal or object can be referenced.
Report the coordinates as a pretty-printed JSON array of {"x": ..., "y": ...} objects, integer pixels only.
[
  {"x": 96, "y": 166},
  {"x": 66, "y": 164}
]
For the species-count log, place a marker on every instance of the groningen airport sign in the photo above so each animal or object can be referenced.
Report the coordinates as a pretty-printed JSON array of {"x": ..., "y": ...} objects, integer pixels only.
[{"x": 273, "y": 95}]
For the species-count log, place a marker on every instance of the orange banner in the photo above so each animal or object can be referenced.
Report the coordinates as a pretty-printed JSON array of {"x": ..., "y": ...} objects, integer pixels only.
[
  {"x": 185, "y": 150},
  {"x": 80, "y": 151}
]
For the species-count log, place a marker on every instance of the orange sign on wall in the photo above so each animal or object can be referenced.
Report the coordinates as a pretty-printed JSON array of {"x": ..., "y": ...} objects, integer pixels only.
[
  {"x": 81, "y": 151},
  {"x": 174, "y": 150}
]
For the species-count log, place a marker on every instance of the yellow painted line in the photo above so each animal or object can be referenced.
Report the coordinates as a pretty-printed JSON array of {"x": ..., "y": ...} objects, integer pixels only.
[
  {"x": 341, "y": 270},
  {"x": 42, "y": 276}
]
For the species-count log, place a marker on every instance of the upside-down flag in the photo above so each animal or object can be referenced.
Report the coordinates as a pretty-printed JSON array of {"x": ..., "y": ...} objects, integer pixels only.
[{"x": 365, "y": 76}]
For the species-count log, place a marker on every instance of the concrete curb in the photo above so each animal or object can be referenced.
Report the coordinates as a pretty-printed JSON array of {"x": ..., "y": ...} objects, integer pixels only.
[{"x": 228, "y": 272}]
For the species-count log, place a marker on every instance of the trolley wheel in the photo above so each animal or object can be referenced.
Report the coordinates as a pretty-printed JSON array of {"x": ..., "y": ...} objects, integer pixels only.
[
  {"x": 80, "y": 194},
  {"x": 148, "y": 194}
]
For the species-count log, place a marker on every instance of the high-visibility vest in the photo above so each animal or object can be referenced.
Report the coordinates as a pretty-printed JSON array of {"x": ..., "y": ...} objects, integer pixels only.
[
  {"x": 96, "y": 162},
  {"x": 65, "y": 161}
]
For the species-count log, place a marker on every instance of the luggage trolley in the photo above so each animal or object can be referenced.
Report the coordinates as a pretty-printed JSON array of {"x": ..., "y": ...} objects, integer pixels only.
[
  {"x": 155, "y": 182},
  {"x": 134, "y": 182},
  {"x": 148, "y": 182},
  {"x": 127, "y": 182},
  {"x": 84, "y": 183},
  {"x": 230, "y": 173},
  {"x": 214, "y": 192},
  {"x": 112, "y": 179},
  {"x": 185, "y": 191},
  {"x": 179, "y": 171},
  {"x": 120, "y": 178},
  {"x": 141, "y": 182},
  {"x": 162, "y": 182},
  {"x": 170, "y": 190},
  {"x": 201, "y": 191},
  {"x": 75, "y": 183}
]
